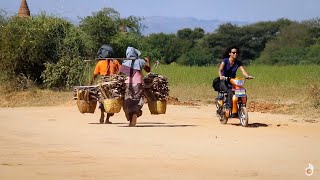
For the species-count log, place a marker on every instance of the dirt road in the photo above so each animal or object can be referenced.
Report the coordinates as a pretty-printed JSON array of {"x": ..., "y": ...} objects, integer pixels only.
[{"x": 186, "y": 143}]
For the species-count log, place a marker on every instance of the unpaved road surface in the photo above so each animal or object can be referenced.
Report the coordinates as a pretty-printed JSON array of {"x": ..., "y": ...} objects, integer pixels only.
[{"x": 186, "y": 143}]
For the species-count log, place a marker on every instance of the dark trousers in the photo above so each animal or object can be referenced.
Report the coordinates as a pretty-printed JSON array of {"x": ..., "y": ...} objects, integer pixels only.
[{"x": 227, "y": 87}]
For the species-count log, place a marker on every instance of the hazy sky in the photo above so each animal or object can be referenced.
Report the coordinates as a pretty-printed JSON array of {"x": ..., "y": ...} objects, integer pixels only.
[{"x": 241, "y": 10}]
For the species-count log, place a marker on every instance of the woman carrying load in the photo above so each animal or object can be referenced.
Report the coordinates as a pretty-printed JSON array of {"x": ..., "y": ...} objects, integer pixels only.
[{"x": 132, "y": 67}]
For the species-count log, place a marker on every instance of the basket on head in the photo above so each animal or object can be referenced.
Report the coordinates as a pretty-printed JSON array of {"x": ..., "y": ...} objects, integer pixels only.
[
  {"x": 112, "y": 105},
  {"x": 157, "y": 107},
  {"x": 86, "y": 106}
]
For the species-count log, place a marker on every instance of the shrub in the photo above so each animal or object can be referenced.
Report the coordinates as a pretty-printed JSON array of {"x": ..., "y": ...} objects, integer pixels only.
[
  {"x": 67, "y": 72},
  {"x": 27, "y": 44},
  {"x": 198, "y": 57}
]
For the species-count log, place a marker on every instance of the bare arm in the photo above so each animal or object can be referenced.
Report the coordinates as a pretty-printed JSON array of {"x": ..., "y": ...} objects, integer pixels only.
[
  {"x": 244, "y": 72},
  {"x": 93, "y": 78},
  {"x": 95, "y": 72},
  {"x": 220, "y": 71},
  {"x": 147, "y": 66},
  {"x": 118, "y": 67}
]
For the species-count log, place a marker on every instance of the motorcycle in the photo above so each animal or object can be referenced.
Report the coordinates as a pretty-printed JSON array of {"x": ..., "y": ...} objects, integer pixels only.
[{"x": 239, "y": 101}]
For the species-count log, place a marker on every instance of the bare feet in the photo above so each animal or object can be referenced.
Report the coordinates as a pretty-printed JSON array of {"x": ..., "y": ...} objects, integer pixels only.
[
  {"x": 107, "y": 119},
  {"x": 101, "y": 120},
  {"x": 101, "y": 117},
  {"x": 133, "y": 121}
]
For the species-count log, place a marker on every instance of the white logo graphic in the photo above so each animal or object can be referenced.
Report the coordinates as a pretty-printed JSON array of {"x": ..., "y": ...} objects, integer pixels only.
[{"x": 309, "y": 170}]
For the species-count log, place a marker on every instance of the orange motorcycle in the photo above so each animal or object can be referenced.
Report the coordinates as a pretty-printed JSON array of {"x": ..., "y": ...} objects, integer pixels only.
[{"x": 239, "y": 101}]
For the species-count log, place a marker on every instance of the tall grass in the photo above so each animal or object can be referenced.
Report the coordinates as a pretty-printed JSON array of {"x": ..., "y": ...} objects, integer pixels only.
[
  {"x": 282, "y": 84},
  {"x": 276, "y": 84},
  {"x": 88, "y": 72}
]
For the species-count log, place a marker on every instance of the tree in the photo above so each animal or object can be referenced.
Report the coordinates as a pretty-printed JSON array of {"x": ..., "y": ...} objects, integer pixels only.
[
  {"x": 198, "y": 33},
  {"x": 314, "y": 28},
  {"x": 121, "y": 41},
  {"x": 185, "y": 34},
  {"x": 288, "y": 47},
  {"x": 251, "y": 39},
  {"x": 2, "y": 17},
  {"x": 101, "y": 27},
  {"x": 105, "y": 24},
  {"x": 130, "y": 24},
  {"x": 198, "y": 57},
  {"x": 27, "y": 44},
  {"x": 312, "y": 54},
  {"x": 190, "y": 35},
  {"x": 163, "y": 44}
]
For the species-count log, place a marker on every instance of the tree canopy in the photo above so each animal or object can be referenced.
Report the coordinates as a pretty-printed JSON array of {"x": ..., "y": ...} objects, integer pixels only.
[{"x": 50, "y": 50}]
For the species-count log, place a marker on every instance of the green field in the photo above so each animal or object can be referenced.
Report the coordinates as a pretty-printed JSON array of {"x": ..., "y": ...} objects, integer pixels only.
[
  {"x": 288, "y": 85},
  {"x": 278, "y": 84}
]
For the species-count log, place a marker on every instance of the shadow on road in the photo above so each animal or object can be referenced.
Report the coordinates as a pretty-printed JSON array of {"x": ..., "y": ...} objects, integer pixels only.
[
  {"x": 147, "y": 124},
  {"x": 161, "y": 125},
  {"x": 128, "y": 123},
  {"x": 107, "y": 124},
  {"x": 252, "y": 125}
]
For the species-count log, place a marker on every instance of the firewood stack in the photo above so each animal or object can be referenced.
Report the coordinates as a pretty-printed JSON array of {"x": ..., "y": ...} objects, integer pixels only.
[
  {"x": 156, "y": 87},
  {"x": 87, "y": 93},
  {"x": 112, "y": 87}
]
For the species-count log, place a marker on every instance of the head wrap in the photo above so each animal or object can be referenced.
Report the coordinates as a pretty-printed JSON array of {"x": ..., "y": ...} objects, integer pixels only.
[
  {"x": 105, "y": 51},
  {"x": 132, "y": 63},
  {"x": 132, "y": 52}
]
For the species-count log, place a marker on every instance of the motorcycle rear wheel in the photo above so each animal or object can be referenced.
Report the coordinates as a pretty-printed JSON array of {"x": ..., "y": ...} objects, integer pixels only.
[{"x": 243, "y": 116}]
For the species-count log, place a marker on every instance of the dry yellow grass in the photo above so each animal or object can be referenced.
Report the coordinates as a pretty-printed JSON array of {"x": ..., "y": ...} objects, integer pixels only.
[
  {"x": 38, "y": 97},
  {"x": 35, "y": 97},
  {"x": 287, "y": 89}
]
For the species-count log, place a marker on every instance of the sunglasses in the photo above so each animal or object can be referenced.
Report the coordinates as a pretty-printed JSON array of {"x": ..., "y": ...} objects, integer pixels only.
[{"x": 234, "y": 52}]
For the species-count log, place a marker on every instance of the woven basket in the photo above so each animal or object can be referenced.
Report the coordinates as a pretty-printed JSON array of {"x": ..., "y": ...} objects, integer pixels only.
[
  {"x": 157, "y": 107},
  {"x": 112, "y": 105},
  {"x": 86, "y": 106}
]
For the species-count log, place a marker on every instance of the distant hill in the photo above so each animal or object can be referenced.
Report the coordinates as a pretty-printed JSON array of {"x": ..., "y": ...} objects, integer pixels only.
[{"x": 167, "y": 25}]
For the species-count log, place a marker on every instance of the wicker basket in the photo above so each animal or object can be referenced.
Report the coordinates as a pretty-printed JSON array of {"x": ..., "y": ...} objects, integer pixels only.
[
  {"x": 157, "y": 107},
  {"x": 112, "y": 105},
  {"x": 86, "y": 106}
]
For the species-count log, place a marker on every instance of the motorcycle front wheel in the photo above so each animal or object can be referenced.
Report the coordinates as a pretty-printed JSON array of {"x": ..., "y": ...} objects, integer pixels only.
[
  {"x": 223, "y": 117},
  {"x": 243, "y": 116}
]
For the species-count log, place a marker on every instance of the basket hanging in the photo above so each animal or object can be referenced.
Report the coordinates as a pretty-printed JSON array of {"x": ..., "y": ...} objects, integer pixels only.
[
  {"x": 158, "y": 106},
  {"x": 86, "y": 106},
  {"x": 112, "y": 105}
]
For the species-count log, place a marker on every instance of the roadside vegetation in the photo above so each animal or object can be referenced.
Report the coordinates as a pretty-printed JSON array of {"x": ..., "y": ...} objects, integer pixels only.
[{"x": 45, "y": 55}]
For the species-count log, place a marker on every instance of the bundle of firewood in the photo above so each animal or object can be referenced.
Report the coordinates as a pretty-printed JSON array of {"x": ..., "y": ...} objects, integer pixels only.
[
  {"x": 87, "y": 93},
  {"x": 156, "y": 87},
  {"x": 112, "y": 87}
]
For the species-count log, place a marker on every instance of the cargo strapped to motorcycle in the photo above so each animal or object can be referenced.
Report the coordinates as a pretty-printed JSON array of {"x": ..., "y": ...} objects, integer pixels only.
[{"x": 216, "y": 84}]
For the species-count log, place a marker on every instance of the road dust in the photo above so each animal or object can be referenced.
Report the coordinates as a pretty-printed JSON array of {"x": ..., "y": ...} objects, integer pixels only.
[{"x": 188, "y": 142}]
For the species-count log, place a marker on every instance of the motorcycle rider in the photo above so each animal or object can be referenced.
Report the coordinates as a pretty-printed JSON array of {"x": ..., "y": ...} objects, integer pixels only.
[{"x": 228, "y": 68}]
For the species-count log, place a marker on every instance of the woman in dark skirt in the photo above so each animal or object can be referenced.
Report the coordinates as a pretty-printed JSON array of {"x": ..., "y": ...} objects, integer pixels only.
[{"x": 132, "y": 67}]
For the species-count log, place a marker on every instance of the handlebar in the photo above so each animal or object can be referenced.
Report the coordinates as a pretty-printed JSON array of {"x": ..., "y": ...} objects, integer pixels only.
[
  {"x": 228, "y": 78},
  {"x": 249, "y": 77}
]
